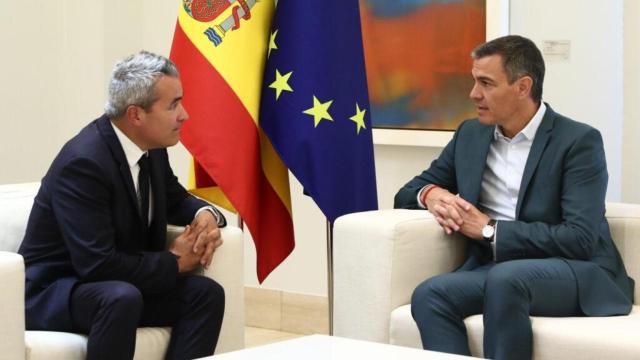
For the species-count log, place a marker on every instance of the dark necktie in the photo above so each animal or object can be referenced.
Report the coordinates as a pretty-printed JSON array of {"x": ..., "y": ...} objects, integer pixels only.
[{"x": 143, "y": 189}]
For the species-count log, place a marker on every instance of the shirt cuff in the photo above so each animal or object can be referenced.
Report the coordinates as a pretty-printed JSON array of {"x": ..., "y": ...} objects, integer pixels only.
[
  {"x": 420, "y": 204},
  {"x": 211, "y": 210}
]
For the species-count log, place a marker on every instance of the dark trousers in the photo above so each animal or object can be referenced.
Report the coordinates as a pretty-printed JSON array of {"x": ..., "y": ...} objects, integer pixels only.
[
  {"x": 110, "y": 311},
  {"x": 505, "y": 293}
]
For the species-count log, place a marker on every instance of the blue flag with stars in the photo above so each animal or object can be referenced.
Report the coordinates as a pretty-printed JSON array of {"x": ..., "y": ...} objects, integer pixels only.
[{"x": 315, "y": 105}]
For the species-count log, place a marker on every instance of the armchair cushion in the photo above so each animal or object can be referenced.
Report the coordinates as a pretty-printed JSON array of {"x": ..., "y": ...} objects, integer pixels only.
[
  {"x": 11, "y": 305},
  {"x": 15, "y": 205},
  {"x": 379, "y": 258}
]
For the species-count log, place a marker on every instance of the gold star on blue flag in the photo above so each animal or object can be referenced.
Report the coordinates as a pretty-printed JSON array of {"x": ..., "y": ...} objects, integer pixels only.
[{"x": 321, "y": 43}]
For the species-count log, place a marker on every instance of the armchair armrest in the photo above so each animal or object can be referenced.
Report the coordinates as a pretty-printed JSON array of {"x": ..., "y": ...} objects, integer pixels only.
[
  {"x": 12, "y": 306},
  {"x": 379, "y": 258},
  {"x": 227, "y": 268}
]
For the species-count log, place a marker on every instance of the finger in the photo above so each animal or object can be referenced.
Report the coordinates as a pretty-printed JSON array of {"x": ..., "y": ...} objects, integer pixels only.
[
  {"x": 447, "y": 230},
  {"x": 440, "y": 211},
  {"x": 442, "y": 221},
  {"x": 198, "y": 226},
  {"x": 449, "y": 199},
  {"x": 187, "y": 236},
  {"x": 214, "y": 234},
  {"x": 451, "y": 215},
  {"x": 208, "y": 254},
  {"x": 443, "y": 224},
  {"x": 201, "y": 242},
  {"x": 447, "y": 224},
  {"x": 452, "y": 224},
  {"x": 462, "y": 203},
  {"x": 214, "y": 245},
  {"x": 454, "y": 216}
]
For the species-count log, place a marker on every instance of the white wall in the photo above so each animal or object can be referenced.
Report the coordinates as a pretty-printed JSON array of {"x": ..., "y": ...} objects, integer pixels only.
[
  {"x": 588, "y": 86},
  {"x": 52, "y": 61},
  {"x": 631, "y": 129},
  {"x": 57, "y": 56}
]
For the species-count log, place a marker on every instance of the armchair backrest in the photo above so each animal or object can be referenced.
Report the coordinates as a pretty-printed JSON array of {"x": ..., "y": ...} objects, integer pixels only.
[
  {"x": 624, "y": 220},
  {"x": 16, "y": 201}
]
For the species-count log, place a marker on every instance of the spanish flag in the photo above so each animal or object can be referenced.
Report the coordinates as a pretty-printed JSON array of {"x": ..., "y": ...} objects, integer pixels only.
[{"x": 220, "y": 47}]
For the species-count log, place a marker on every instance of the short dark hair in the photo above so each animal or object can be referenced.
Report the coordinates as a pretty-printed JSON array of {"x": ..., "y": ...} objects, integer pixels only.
[{"x": 520, "y": 57}]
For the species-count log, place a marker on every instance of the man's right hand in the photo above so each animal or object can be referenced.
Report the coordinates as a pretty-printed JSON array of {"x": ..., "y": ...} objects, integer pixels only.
[
  {"x": 441, "y": 203},
  {"x": 182, "y": 247}
]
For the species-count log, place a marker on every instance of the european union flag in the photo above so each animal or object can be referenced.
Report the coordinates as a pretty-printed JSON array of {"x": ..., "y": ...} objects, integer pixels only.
[{"x": 315, "y": 105}]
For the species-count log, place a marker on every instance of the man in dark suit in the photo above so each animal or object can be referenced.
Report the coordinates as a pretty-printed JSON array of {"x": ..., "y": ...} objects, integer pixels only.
[
  {"x": 95, "y": 246},
  {"x": 526, "y": 187}
]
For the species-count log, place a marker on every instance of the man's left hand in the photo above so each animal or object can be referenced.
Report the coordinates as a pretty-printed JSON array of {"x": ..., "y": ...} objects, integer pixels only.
[{"x": 205, "y": 228}]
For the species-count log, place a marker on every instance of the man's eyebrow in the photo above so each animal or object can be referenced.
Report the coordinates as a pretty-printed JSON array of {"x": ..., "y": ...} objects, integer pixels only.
[
  {"x": 485, "y": 78},
  {"x": 176, "y": 99}
]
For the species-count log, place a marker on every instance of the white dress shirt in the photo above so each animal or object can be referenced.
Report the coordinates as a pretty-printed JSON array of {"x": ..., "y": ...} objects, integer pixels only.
[
  {"x": 133, "y": 153},
  {"x": 502, "y": 175}
]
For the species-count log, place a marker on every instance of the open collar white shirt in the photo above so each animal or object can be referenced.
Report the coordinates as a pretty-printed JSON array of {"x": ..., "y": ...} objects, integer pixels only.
[{"x": 502, "y": 175}]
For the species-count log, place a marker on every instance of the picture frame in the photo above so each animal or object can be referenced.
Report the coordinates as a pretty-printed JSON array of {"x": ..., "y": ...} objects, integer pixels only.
[{"x": 497, "y": 24}]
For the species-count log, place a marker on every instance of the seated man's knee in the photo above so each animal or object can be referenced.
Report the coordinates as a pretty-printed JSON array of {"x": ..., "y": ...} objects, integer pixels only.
[
  {"x": 205, "y": 289},
  {"x": 428, "y": 295},
  {"x": 123, "y": 296},
  {"x": 505, "y": 278},
  {"x": 215, "y": 291}
]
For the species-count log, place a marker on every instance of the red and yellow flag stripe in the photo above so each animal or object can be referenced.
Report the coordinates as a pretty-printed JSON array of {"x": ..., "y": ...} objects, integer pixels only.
[{"x": 222, "y": 84}]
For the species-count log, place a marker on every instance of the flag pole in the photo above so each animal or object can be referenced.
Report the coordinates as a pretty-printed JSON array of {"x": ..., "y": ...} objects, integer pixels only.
[{"x": 330, "y": 273}]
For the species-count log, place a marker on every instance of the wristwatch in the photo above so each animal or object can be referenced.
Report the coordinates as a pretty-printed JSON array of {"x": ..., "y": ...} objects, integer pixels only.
[{"x": 489, "y": 231}]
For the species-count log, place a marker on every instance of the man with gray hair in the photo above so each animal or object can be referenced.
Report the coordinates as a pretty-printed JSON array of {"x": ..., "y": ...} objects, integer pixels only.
[
  {"x": 525, "y": 187},
  {"x": 95, "y": 245}
]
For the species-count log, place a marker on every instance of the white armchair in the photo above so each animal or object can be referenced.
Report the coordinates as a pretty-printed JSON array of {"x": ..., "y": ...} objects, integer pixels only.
[
  {"x": 151, "y": 343},
  {"x": 381, "y": 256}
]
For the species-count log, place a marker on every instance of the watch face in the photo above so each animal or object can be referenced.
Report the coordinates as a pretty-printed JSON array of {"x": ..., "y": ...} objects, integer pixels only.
[{"x": 487, "y": 231}]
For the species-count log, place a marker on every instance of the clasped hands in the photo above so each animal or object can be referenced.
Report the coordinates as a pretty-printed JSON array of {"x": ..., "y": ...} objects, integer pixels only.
[
  {"x": 197, "y": 243},
  {"x": 454, "y": 213}
]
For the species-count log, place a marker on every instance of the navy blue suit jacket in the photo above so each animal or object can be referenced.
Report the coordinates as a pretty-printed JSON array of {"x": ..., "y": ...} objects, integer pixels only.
[
  {"x": 85, "y": 226},
  {"x": 560, "y": 210}
]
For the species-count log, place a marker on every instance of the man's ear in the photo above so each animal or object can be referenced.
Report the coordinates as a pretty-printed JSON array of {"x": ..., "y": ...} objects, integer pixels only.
[
  {"x": 525, "y": 84},
  {"x": 134, "y": 115}
]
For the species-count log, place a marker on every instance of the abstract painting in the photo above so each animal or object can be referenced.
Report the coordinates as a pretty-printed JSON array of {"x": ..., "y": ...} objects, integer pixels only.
[{"x": 417, "y": 55}]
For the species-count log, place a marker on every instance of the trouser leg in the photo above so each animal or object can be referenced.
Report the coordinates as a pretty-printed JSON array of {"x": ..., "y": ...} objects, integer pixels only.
[
  {"x": 516, "y": 289},
  {"x": 440, "y": 304},
  {"x": 194, "y": 309},
  {"x": 109, "y": 312}
]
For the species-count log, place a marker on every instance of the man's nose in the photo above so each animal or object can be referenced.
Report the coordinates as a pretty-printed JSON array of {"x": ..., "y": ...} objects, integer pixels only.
[
  {"x": 184, "y": 115},
  {"x": 475, "y": 93}
]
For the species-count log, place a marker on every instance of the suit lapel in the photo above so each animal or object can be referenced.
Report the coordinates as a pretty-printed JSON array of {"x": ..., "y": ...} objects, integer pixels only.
[
  {"x": 537, "y": 148},
  {"x": 106, "y": 130},
  {"x": 476, "y": 160}
]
